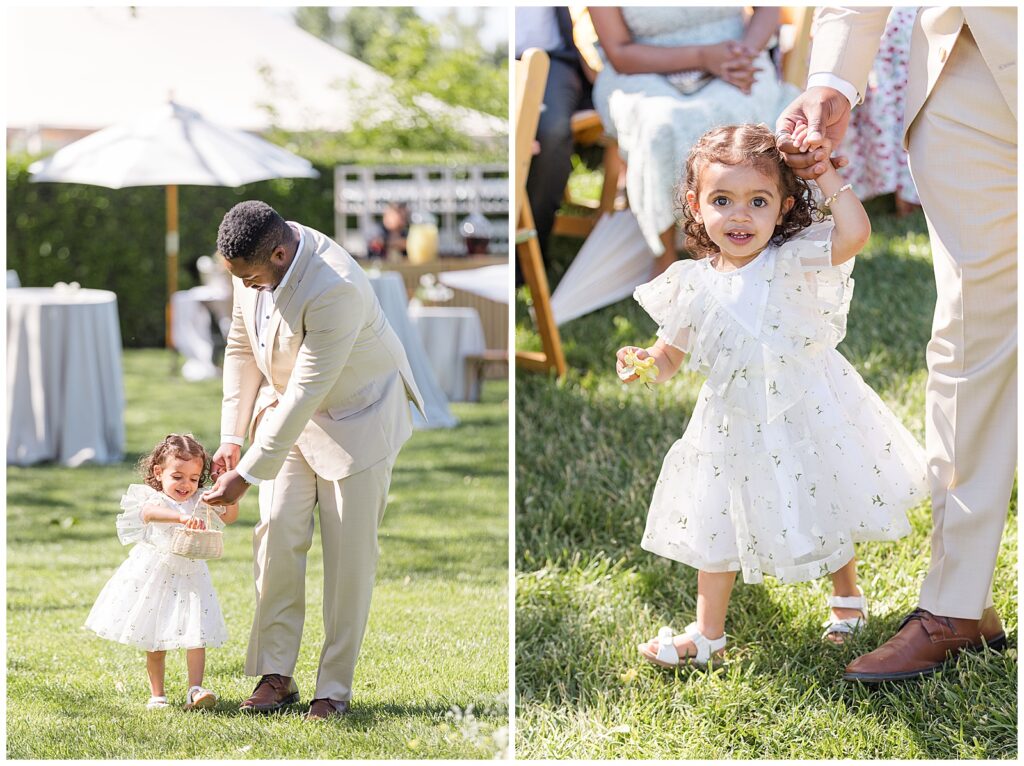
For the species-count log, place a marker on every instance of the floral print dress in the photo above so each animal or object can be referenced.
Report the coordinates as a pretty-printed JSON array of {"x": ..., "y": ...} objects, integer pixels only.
[
  {"x": 156, "y": 599},
  {"x": 789, "y": 457}
]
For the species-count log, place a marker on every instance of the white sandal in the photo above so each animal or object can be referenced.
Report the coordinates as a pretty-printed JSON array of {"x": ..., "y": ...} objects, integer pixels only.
[
  {"x": 198, "y": 698},
  {"x": 156, "y": 703},
  {"x": 667, "y": 656},
  {"x": 849, "y": 624}
]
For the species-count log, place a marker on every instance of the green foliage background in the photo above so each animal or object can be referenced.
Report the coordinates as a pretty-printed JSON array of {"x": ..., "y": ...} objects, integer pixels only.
[
  {"x": 114, "y": 238},
  {"x": 445, "y": 59}
]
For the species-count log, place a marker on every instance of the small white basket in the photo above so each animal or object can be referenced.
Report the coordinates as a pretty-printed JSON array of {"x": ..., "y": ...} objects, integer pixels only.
[{"x": 198, "y": 543}]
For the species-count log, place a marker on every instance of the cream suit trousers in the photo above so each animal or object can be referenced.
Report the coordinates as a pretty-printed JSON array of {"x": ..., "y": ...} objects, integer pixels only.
[
  {"x": 350, "y": 512},
  {"x": 963, "y": 157}
]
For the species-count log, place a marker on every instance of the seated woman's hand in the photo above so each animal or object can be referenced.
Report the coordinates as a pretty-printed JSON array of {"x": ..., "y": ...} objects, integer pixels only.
[{"x": 732, "y": 62}]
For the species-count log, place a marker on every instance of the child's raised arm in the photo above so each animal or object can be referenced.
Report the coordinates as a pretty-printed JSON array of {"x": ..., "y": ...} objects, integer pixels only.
[
  {"x": 667, "y": 357},
  {"x": 852, "y": 225}
]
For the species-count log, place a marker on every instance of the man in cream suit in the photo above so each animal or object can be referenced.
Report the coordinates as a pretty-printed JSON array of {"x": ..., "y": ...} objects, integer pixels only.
[
  {"x": 961, "y": 133},
  {"x": 318, "y": 380}
]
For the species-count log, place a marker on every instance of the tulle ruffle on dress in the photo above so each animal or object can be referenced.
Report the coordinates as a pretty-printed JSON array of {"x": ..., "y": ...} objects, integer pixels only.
[
  {"x": 789, "y": 458},
  {"x": 157, "y": 600}
]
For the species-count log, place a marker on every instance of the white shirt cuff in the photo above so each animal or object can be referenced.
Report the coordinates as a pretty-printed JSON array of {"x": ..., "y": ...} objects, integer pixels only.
[
  {"x": 251, "y": 479},
  {"x": 231, "y": 439},
  {"x": 829, "y": 80}
]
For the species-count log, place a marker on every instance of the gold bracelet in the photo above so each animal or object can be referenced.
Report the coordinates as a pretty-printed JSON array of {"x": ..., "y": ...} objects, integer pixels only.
[{"x": 831, "y": 199}]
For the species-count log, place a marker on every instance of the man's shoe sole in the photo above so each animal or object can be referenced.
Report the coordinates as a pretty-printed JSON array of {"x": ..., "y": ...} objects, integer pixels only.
[
  {"x": 291, "y": 699},
  {"x": 996, "y": 644}
]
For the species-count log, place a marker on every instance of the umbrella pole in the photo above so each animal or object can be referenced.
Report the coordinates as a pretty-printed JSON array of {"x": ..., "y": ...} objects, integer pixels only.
[{"x": 172, "y": 258}]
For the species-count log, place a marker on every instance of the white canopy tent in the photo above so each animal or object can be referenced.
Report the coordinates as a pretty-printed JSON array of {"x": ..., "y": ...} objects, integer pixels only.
[{"x": 86, "y": 68}]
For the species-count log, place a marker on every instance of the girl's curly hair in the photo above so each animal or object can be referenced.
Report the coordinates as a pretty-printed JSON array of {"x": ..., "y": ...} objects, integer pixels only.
[
  {"x": 736, "y": 145},
  {"x": 181, "y": 446}
]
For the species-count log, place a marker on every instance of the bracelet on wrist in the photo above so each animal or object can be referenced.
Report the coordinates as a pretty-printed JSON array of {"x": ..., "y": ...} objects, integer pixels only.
[{"x": 827, "y": 204}]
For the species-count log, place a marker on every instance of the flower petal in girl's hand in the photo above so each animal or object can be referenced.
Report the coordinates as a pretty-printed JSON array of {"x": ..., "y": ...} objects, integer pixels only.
[{"x": 645, "y": 369}]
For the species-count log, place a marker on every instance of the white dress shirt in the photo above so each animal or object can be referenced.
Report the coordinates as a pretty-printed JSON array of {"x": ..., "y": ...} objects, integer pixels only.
[
  {"x": 265, "y": 303},
  {"x": 827, "y": 79}
]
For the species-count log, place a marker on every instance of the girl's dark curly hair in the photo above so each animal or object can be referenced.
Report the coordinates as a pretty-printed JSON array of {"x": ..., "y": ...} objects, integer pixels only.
[
  {"x": 736, "y": 145},
  {"x": 181, "y": 446}
]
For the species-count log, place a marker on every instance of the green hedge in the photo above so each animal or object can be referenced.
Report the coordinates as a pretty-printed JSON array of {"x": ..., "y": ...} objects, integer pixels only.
[{"x": 114, "y": 238}]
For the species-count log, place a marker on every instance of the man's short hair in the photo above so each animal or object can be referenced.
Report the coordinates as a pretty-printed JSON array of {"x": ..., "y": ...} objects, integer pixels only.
[{"x": 250, "y": 231}]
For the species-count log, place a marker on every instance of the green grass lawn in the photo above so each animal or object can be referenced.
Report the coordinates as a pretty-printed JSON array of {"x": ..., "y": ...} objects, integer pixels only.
[
  {"x": 432, "y": 679},
  {"x": 588, "y": 451}
]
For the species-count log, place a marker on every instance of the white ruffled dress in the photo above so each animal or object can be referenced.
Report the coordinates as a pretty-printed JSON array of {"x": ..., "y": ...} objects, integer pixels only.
[
  {"x": 156, "y": 599},
  {"x": 789, "y": 457}
]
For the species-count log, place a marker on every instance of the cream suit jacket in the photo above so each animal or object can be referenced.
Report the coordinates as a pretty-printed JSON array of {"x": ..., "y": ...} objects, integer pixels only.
[
  {"x": 847, "y": 39},
  {"x": 333, "y": 365}
]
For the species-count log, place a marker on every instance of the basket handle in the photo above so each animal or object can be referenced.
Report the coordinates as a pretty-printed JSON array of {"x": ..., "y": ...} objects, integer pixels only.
[{"x": 207, "y": 506}]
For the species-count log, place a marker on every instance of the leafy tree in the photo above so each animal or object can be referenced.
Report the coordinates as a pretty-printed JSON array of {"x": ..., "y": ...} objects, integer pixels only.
[
  {"x": 359, "y": 26},
  {"x": 317, "y": 20},
  {"x": 445, "y": 59}
]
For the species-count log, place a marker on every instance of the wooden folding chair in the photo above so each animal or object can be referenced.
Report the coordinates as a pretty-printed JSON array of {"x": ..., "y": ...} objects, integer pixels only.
[
  {"x": 795, "y": 60},
  {"x": 531, "y": 77},
  {"x": 587, "y": 130}
]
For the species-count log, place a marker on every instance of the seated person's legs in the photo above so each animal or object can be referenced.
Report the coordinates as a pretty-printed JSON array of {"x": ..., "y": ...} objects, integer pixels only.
[{"x": 564, "y": 94}]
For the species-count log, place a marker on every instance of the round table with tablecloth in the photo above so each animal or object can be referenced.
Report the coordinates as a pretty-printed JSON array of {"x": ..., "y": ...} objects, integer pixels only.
[
  {"x": 450, "y": 334},
  {"x": 65, "y": 396},
  {"x": 390, "y": 291}
]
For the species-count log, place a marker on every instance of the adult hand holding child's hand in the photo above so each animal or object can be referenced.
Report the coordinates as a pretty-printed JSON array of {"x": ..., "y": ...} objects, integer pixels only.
[
  {"x": 228, "y": 486},
  {"x": 225, "y": 458},
  {"x": 227, "y": 490},
  {"x": 826, "y": 113},
  {"x": 731, "y": 62}
]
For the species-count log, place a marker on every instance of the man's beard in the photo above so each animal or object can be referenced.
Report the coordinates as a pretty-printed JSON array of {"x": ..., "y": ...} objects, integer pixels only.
[{"x": 278, "y": 275}]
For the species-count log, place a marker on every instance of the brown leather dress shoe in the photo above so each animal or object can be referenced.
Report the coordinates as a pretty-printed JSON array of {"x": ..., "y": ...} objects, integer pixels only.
[
  {"x": 272, "y": 693},
  {"x": 924, "y": 643},
  {"x": 326, "y": 708}
]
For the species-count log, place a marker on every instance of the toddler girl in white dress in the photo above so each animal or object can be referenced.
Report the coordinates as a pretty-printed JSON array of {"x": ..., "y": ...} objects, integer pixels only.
[
  {"x": 789, "y": 458},
  {"x": 158, "y": 600}
]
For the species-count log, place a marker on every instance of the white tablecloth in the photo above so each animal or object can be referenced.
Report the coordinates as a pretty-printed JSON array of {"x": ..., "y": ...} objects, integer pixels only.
[
  {"x": 449, "y": 334},
  {"x": 192, "y": 331},
  {"x": 65, "y": 396},
  {"x": 390, "y": 291}
]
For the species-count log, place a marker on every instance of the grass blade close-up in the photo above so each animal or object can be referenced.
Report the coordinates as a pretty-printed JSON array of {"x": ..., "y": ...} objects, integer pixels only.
[
  {"x": 432, "y": 678},
  {"x": 588, "y": 452}
]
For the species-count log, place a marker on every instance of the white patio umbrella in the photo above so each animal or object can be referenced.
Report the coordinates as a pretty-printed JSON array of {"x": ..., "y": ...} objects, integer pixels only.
[
  {"x": 170, "y": 146},
  {"x": 614, "y": 259}
]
